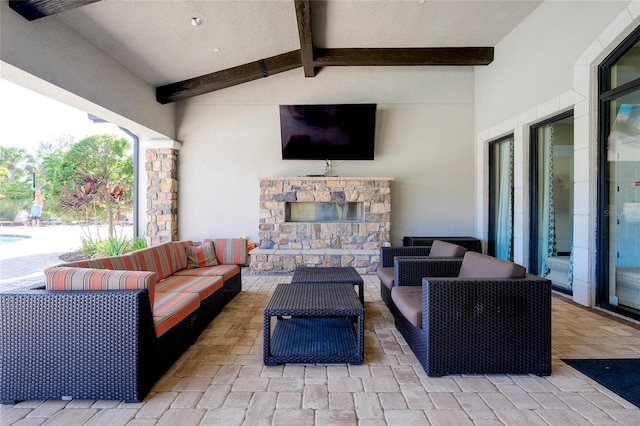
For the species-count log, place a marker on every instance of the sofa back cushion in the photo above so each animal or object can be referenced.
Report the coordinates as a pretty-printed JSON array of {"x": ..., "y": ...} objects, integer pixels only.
[
  {"x": 181, "y": 253},
  {"x": 230, "y": 251},
  {"x": 160, "y": 259},
  {"x": 444, "y": 249},
  {"x": 478, "y": 265},
  {"x": 72, "y": 278},
  {"x": 124, "y": 262}
]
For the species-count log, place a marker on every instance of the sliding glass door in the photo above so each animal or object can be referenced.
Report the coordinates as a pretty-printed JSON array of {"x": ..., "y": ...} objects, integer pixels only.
[
  {"x": 551, "y": 183},
  {"x": 501, "y": 198},
  {"x": 619, "y": 179}
]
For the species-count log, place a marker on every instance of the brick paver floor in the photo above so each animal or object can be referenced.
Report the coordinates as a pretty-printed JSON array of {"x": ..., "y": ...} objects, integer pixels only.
[{"x": 220, "y": 380}]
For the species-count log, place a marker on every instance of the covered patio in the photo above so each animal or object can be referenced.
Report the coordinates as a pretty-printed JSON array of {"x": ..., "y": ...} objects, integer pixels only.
[
  {"x": 202, "y": 156},
  {"x": 221, "y": 379}
]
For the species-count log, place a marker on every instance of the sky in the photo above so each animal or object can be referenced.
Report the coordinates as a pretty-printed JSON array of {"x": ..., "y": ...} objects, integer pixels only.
[{"x": 27, "y": 117}]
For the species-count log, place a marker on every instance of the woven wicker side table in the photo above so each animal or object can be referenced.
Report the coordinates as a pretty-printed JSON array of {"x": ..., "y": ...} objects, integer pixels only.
[
  {"x": 321, "y": 323},
  {"x": 331, "y": 274}
]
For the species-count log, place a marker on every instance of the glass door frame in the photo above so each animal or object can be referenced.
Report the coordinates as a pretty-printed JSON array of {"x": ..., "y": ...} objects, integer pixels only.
[
  {"x": 491, "y": 232},
  {"x": 605, "y": 96},
  {"x": 534, "y": 202}
]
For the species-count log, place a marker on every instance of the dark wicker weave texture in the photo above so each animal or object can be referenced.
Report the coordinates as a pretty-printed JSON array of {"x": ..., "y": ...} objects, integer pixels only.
[
  {"x": 85, "y": 345},
  {"x": 411, "y": 270},
  {"x": 347, "y": 274},
  {"x": 321, "y": 323},
  {"x": 91, "y": 344},
  {"x": 387, "y": 254},
  {"x": 483, "y": 326}
]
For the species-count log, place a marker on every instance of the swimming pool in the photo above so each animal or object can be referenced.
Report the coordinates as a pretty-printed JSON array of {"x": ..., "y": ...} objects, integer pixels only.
[{"x": 11, "y": 238}]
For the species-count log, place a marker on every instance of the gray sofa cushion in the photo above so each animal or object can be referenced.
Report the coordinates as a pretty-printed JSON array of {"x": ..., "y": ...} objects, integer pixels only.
[
  {"x": 408, "y": 300},
  {"x": 445, "y": 249},
  {"x": 477, "y": 265},
  {"x": 386, "y": 276}
]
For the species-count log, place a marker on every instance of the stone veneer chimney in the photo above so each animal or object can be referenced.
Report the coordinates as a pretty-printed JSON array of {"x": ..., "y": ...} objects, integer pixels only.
[{"x": 285, "y": 245}]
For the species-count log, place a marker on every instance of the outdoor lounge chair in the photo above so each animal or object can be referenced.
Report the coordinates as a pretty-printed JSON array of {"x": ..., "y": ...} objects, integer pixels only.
[
  {"x": 387, "y": 271},
  {"x": 492, "y": 318}
]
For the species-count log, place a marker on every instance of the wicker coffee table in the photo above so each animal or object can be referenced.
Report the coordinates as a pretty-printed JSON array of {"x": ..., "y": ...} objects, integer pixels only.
[
  {"x": 333, "y": 274},
  {"x": 321, "y": 323}
]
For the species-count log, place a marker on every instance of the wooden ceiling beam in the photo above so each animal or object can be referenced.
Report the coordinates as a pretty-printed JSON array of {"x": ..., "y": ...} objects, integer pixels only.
[
  {"x": 404, "y": 56},
  {"x": 226, "y": 78},
  {"x": 303, "y": 16},
  {"x": 34, "y": 9},
  {"x": 458, "y": 56}
]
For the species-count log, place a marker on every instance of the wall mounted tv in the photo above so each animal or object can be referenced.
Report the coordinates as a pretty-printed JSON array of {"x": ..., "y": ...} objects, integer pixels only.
[{"x": 328, "y": 132}]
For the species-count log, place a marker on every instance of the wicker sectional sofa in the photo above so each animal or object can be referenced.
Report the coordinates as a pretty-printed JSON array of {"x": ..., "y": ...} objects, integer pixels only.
[{"x": 109, "y": 328}]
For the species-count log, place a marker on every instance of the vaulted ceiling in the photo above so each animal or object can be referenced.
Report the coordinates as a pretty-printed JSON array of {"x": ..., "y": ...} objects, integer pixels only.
[{"x": 239, "y": 41}]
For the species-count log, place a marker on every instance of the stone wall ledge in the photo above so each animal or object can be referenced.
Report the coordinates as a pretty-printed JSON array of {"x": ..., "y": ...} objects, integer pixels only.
[
  {"x": 365, "y": 261},
  {"x": 318, "y": 178},
  {"x": 358, "y": 252}
]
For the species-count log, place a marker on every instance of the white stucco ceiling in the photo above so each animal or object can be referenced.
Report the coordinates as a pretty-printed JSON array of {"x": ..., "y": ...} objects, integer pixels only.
[{"x": 155, "y": 40}]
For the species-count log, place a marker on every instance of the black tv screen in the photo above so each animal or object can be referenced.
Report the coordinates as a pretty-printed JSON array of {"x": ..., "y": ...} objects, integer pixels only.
[{"x": 328, "y": 132}]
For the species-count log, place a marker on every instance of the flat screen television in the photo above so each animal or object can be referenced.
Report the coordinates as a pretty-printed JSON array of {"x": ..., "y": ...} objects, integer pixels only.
[{"x": 328, "y": 132}]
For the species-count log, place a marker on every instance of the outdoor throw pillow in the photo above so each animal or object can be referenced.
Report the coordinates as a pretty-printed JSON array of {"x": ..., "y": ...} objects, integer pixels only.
[{"x": 202, "y": 255}]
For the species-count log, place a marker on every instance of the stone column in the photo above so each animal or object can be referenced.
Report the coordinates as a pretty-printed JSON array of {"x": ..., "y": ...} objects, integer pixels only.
[{"x": 162, "y": 195}]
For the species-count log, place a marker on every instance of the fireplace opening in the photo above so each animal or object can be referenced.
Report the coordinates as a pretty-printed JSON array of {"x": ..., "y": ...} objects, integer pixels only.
[{"x": 324, "y": 212}]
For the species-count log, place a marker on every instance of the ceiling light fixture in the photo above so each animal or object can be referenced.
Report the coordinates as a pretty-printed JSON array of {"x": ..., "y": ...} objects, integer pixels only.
[{"x": 196, "y": 21}]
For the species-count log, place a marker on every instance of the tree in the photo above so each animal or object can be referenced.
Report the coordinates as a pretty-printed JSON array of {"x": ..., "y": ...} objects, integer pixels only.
[
  {"x": 92, "y": 179},
  {"x": 15, "y": 180}
]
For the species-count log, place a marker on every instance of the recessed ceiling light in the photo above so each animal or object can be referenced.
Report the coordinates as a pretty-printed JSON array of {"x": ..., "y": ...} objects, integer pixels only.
[
  {"x": 196, "y": 21},
  {"x": 216, "y": 49}
]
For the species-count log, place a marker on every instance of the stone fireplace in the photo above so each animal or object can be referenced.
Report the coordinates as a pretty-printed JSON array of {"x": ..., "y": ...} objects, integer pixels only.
[{"x": 322, "y": 221}]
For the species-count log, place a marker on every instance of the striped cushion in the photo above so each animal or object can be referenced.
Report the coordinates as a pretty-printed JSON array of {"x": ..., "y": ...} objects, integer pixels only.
[
  {"x": 124, "y": 262},
  {"x": 68, "y": 278},
  {"x": 157, "y": 259},
  {"x": 231, "y": 251},
  {"x": 203, "y": 286},
  {"x": 86, "y": 263},
  {"x": 181, "y": 253},
  {"x": 202, "y": 255},
  {"x": 224, "y": 271},
  {"x": 171, "y": 308},
  {"x": 119, "y": 263}
]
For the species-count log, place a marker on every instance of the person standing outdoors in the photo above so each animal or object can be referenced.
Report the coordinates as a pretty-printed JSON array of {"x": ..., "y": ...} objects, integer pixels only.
[{"x": 36, "y": 211}]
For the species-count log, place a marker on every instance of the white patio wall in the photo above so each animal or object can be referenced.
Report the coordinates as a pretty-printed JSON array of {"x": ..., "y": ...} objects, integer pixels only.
[
  {"x": 424, "y": 140},
  {"x": 542, "y": 80}
]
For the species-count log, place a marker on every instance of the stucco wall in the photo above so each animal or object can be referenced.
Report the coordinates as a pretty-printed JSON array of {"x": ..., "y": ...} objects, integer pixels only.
[
  {"x": 536, "y": 61},
  {"x": 546, "y": 66},
  {"x": 46, "y": 56},
  {"x": 424, "y": 140}
]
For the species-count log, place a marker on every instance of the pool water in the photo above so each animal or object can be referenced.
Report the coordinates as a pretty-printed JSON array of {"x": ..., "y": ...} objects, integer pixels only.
[{"x": 11, "y": 238}]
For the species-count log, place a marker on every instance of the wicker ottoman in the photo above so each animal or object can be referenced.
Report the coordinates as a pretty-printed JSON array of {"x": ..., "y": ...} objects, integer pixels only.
[
  {"x": 321, "y": 323},
  {"x": 332, "y": 274}
]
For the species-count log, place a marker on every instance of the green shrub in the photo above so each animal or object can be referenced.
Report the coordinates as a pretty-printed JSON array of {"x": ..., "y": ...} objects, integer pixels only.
[
  {"x": 113, "y": 246},
  {"x": 138, "y": 243},
  {"x": 88, "y": 247}
]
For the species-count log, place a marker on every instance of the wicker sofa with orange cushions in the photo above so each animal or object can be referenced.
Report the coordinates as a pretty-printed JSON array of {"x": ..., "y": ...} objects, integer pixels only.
[{"x": 109, "y": 328}]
